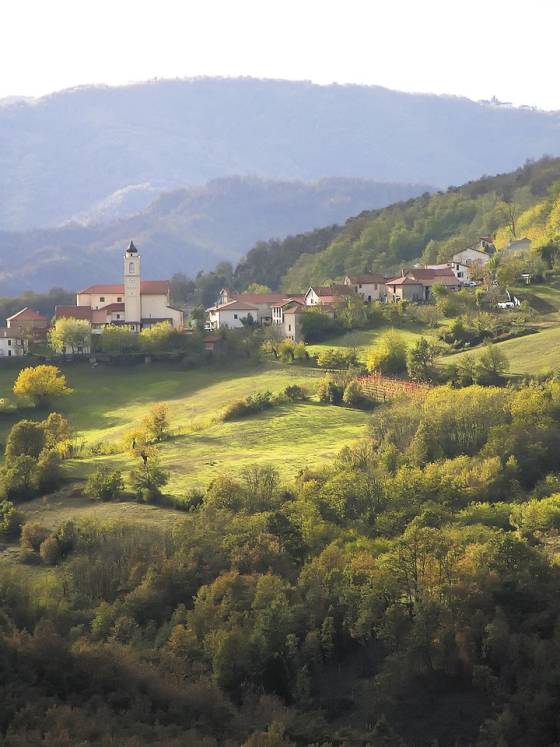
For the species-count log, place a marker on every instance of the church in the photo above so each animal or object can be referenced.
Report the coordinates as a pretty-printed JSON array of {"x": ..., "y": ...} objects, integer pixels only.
[{"x": 134, "y": 303}]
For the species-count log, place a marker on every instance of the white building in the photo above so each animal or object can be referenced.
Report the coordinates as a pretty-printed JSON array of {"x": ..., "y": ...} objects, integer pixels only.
[
  {"x": 370, "y": 286},
  {"x": 231, "y": 314},
  {"x": 468, "y": 263},
  {"x": 135, "y": 303},
  {"x": 12, "y": 345}
]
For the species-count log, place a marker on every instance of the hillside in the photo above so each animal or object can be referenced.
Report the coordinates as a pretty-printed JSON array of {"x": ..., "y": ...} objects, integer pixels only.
[
  {"x": 187, "y": 230},
  {"x": 67, "y": 152},
  {"x": 428, "y": 228}
]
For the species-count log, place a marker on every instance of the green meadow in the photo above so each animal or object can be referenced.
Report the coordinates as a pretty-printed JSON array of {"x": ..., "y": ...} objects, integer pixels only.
[
  {"x": 109, "y": 402},
  {"x": 363, "y": 339}
]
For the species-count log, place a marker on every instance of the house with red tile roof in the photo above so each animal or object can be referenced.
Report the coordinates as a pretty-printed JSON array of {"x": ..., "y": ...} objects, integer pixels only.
[
  {"x": 416, "y": 283},
  {"x": 134, "y": 303},
  {"x": 370, "y": 286},
  {"x": 28, "y": 323}
]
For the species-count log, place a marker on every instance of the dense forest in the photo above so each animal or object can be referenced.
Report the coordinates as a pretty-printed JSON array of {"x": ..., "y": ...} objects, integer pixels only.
[{"x": 405, "y": 595}]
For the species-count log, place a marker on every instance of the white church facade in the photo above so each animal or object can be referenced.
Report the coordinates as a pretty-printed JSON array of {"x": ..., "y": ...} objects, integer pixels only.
[{"x": 134, "y": 303}]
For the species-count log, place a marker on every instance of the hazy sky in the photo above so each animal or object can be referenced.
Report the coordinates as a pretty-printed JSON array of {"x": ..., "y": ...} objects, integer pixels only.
[{"x": 475, "y": 48}]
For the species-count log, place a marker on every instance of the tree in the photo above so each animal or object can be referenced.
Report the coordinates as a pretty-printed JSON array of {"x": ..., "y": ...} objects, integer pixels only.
[
  {"x": 72, "y": 335},
  {"x": 420, "y": 360},
  {"x": 41, "y": 384},
  {"x": 48, "y": 473},
  {"x": 354, "y": 312},
  {"x": 156, "y": 424},
  {"x": 257, "y": 288},
  {"x": 105, "y": 483},
  {"x": 11, "y": 519},
  {"x": 27, "y": 438},
  {"x": 389, "y": 355},
  {"x": 159, "y": 337},
  {"x": 17, "y": 478},
  {"x": 117, "y": 340},
  {"x": 57, "y": 430},
  {"x": 198, "y": 316},
  {"x": 148, "y": 477},
  {"x": 492, "y": 365}
]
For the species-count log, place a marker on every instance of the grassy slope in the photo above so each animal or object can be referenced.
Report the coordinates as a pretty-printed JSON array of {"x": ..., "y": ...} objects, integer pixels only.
[
  {"x": 537, "y": 353},
  {"x": 363, "y": 339},
  {"x": 108, "y": 402},
  {"x": 533, "y": 354}
]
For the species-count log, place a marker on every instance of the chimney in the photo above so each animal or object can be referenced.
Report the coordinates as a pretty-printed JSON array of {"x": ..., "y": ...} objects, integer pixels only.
[{"x": 402, "y": 272}]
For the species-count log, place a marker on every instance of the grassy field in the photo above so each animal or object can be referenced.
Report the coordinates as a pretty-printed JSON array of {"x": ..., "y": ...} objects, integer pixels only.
[
  {"x": 108, "y": 402},
  {"x": 363, "y": 339},
  {"x": 533, "y": 354}
]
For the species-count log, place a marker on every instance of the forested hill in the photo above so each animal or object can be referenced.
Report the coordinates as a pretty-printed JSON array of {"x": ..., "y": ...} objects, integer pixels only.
[
  {"x": 64, "y": 153},
  {"x": 428, "y": 228},
  {"x": 188, "y": 230}
]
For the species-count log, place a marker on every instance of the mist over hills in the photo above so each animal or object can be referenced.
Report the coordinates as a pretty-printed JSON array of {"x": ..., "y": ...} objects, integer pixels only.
[
  {"x": 187, "y": 230},
  {"x": 70, "y": 153}
]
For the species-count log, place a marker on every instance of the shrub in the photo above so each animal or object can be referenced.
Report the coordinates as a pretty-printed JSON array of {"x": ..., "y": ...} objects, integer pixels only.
[
  {"x": 337, "y": 358},
  {"x": 11, "y": 520},
  {"x": 48, "y": 472},
  {"x": 148, "y": 478},
  {"x": 295, "y": 393},
  {"x": 253, "y": 404},
  {"x": 49, "y": 551},
  {"x": 353, "y": 394},
  {"x": 330, "y": 391},
  {"x": 33, "y": 535},
  {"x": 17, "y": 478},
  {"x": 389, "y": 355},
  {"x": 420, "y": 360},
  {"x": 492, "y": 365},
  {"x": 156, "y": 424},
  {"x": 26, "y": 438},
  {"x": 105, "y": 483}
]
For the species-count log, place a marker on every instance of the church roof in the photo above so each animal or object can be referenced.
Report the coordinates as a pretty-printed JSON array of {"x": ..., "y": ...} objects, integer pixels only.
[
  {"x": 73, "y": 312},
  {"x": 131, "y": 248},
  {"x": 147, "y": 288}
]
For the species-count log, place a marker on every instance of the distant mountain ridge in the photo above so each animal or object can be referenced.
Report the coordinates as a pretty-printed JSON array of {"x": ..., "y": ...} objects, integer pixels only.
[
  {"x": 64, "y": 153},
  {"x": 186, "y": 230}
]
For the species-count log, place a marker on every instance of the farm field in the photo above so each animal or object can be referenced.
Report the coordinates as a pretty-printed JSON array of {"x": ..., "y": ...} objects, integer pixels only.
[{"x": 108, "y": 402}]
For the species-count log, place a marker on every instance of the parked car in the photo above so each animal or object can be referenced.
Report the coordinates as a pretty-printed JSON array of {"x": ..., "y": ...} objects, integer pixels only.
[{"x": 506, "y": 305}]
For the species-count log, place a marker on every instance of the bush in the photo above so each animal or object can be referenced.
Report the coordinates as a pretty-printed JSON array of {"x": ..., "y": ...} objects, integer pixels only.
[
  {"x": 49, "y": 551},
  {"x": 253, "y": 404},
  {"x": 295, "y": 393},
  {"x": 105, "y": 483},
  {"x": 48, "y": 472},
  {"x": 353, "y": 395},
  {"x": 148, "y": 478},
  {"x": 156, "y": 424},
  {"x": 33, "y": 535},
  {"x": 11, "y": 519},
  {"x": 330, "y": 391},
  {"x": 389, "y": 355},
  {"x": 337, "y": 358}
]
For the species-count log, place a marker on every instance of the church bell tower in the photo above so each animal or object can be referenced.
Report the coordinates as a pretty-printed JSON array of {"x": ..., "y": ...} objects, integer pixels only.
[{"x": 132, "y": 300}]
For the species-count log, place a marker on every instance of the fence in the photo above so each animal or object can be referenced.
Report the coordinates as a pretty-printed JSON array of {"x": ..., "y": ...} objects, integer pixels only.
[{"x": 386, "y": 388}]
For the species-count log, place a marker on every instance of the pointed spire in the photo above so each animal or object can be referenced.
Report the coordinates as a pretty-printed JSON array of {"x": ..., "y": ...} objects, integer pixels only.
[{"x": 131, "y": 248}]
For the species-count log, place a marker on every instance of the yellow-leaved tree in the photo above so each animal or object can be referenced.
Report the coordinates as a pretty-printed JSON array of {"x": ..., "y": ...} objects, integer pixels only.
[{"x": 41, "y": 384}]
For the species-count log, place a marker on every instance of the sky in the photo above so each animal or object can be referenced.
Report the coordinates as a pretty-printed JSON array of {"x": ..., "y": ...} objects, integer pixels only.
[{"x": 473, "y": 48}]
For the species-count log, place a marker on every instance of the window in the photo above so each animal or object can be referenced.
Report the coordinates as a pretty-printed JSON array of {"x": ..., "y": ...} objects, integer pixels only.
[
  {"x": 235, "y": 316},
  {"x": 289, "y": 327},
  {"x": 9, "y": 343},
  {"x": 131, "y": 268},
  {"x": 119, "y": 299},
  {"x": 118, "y": 316},
  {"x": 101, "y": 299}
]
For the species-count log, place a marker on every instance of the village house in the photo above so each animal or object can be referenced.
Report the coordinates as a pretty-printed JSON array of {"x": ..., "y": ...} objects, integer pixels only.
[
  {"x": 12, "y": 343},
  {"x": 327, "y": 295},
  {"x": 369, "y": 286},
  {"x": 233, "y": 310},
  {"x": 416, "y": 283},
  {"x": 134, "y": 303},
  {"x": 28, "y": 323},
  {"x": 468, "y": 263}
]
